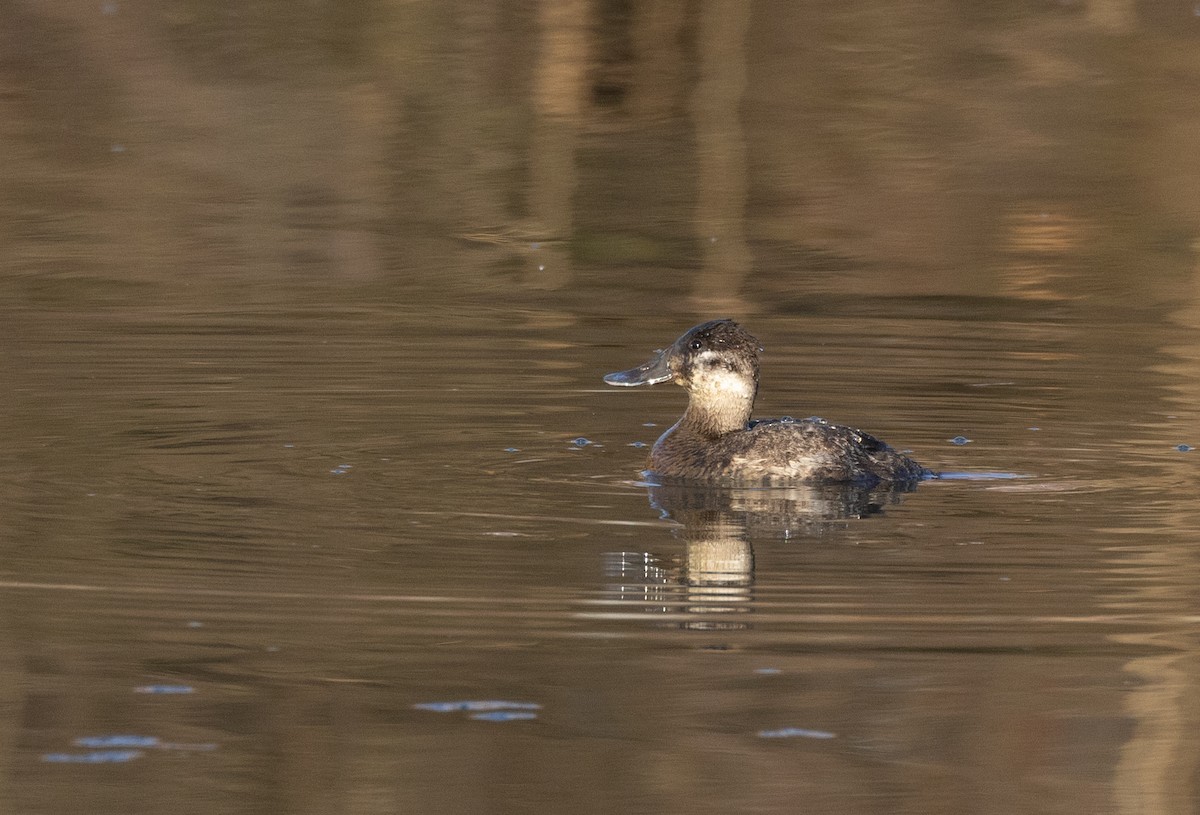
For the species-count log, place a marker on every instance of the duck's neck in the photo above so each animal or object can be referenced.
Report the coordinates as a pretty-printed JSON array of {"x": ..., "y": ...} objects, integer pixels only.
[{"x": 713, "y": 414}]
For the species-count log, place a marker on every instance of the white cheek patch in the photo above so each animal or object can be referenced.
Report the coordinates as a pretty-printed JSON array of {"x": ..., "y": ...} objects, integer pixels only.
[{"x": 720, "y": 379}]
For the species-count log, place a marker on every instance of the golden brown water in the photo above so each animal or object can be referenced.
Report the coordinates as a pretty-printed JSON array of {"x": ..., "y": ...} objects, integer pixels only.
[{"x": 309, "y": 465}]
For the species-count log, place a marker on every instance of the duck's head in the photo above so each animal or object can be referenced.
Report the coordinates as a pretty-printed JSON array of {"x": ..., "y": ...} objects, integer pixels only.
[{"x": 716, "y": 361}]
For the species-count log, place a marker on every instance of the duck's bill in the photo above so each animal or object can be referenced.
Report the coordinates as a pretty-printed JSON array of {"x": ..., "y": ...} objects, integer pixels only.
[{"x": 655, "y": 371}]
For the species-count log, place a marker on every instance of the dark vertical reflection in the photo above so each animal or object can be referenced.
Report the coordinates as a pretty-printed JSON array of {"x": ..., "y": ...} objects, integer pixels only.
[
  {"x": 559, "y": 98},
  {"x": 721, "y": 182}
]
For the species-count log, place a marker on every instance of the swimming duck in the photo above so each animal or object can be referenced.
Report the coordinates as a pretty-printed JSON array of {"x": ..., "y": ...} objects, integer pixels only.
[{"x": 716, "y": 441}]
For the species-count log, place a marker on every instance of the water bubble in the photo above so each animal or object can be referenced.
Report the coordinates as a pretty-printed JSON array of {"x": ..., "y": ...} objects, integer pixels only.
[
  {"x": 786, "y": 420},
  {"x": 960, "y": 440},
  {"x": 581, "y": 442},
  {"x": 649, "y": 424},
  {"x": 512, "y": 449},
  {"x": 1184, "y": 448},
  {"x": 637, "y": 444}
]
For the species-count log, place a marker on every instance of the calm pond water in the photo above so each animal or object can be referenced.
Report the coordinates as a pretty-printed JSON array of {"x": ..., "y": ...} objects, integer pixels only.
[{"x": 314, "y": 500}]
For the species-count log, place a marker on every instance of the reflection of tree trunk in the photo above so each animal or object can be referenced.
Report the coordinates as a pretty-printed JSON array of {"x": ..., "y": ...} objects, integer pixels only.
[
  {"x": 1112, "y": 16},
  {"x": 354, "y": 180},
  {"x": 1157, "y": 765},
  {"x": 308, "y": 761},
  {"x": 661, "y": 65},
  {"x": 1157, "y": 770},
  {"x": 558, "y": 100},
  {"x": 470, "y": 136},
  {"x": 1181, "y": 361},
  {"x": 721, "y": 154},
  {"x": 14, "y": 679}
]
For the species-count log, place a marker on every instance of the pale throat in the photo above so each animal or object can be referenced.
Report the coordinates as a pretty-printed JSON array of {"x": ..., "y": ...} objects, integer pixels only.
[{"x": 719, "y": 402}]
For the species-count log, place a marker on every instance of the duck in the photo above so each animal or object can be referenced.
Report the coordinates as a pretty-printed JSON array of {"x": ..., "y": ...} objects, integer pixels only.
[{"x": 716, "y": 441}]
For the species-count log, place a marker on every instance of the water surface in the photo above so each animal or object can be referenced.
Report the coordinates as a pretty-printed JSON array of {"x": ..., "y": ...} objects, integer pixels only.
[{"x": 314, "y": 500}]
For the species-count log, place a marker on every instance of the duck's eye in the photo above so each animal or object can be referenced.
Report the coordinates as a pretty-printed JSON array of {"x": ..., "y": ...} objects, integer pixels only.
[{"x": 696, "y": 345}]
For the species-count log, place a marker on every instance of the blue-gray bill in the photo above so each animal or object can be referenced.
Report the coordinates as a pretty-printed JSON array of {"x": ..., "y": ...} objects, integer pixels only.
[{"x": 650, "y": 373}]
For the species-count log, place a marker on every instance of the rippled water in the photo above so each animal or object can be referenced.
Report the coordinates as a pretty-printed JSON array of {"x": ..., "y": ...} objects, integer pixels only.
[{"x": 314, "y": 500}]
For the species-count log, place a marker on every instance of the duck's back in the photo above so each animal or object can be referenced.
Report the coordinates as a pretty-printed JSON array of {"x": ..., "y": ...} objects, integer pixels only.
[{"x": 783, "y": 450}]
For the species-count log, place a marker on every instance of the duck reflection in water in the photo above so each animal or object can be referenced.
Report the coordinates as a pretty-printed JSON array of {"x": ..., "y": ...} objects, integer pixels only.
[
  {"x": 727, "y": 479},
  {"x": 713, "y": 582}
]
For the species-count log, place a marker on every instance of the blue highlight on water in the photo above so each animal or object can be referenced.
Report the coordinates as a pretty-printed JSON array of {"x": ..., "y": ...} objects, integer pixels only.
[
  {"x": 165, "y": 689},
  {"x": 116, "y": 748},
  {"x": 796, "y": 733},
  {"x": 104, "y": 756},
  {"x": 117, "y": 741},
  {"x": 486, "y": 710},
  {"x": 504, "y": 716},
  {"x": 476, "y": 705},
  {"x": 982, "y": 475},
  {"x": 94, "y": 757}
]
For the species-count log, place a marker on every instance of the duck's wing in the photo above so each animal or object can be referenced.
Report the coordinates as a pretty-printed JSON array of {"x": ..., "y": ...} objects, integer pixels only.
[{"x": 816, "y": 450}]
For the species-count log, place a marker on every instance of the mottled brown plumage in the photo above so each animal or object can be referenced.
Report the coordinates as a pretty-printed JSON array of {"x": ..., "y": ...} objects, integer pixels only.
[{"x": 715, "y": 440}]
